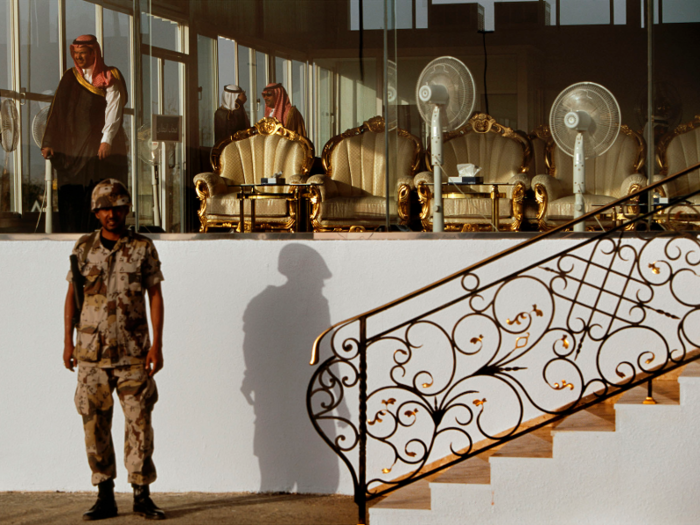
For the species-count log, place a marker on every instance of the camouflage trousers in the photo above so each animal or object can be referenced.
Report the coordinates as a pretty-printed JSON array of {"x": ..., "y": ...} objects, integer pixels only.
[{"x": 93, "y": 398}]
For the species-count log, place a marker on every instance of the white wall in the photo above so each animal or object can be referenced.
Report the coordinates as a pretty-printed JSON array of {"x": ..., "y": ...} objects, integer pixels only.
[{"x": 228, "y": 310}]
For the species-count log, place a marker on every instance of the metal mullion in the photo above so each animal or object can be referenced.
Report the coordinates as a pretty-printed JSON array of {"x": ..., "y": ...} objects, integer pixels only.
[
  {"x": 290, "y": 77},
  {"x": 252, "y": 73},
  {"x": 99, "y": 27},
  {"x": 163, "y": 208},
  {"x": 236, "y": 64},
  {"x": 182, "y": 76},
  {"x": 62, "y": 51},
  {"x": 16, "y": 81}
]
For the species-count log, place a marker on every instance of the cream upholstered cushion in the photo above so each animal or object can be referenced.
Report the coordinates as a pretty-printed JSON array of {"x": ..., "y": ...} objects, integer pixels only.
[
  {"x": 230, "y": 205},
  {"x": 564, "y": 208},
  {"x": 477, "y": 207},
  {"x": 359, "y": 208},
  {"x": 683, "y": 151},
  {"x": 605, "y": 173},
  {"x": 248, "y": 161},
  {"x": 499, "y": 157},
  {"x": 358, "y": 164}
]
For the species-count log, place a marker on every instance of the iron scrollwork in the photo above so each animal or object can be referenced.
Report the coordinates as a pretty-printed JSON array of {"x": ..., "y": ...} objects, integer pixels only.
[{"x": 544, "y": 340}]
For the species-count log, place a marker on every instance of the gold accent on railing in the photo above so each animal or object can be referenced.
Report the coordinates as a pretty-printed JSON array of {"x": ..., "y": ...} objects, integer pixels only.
[
  {"x": 563, "y": 385},
  {"x": 565, "y": 342},
  {"x": 648, "y": 361},
  {"x": 479, "y": 402},
  {"x": 383, "y": 412},
  {"x": 427, "y": 385},
  {"x": 655, "y": 269},
  {"x": 497, "y": 256}
]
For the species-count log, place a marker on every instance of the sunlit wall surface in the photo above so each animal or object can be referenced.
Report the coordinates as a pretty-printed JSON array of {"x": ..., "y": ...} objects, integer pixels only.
[{"x": 338, "y": 60}]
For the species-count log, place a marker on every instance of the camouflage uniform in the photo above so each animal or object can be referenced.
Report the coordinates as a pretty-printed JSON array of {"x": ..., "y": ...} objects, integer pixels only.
[{"x": 111, "y": 348}]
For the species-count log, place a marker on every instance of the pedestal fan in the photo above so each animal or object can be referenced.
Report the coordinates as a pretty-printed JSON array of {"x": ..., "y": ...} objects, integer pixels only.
[
  {"x": 38, "y": 129},
  {"x": 584, "y": 121},
  {"x": 445, "y": 93},
  {"x": 9, "y": 136}
]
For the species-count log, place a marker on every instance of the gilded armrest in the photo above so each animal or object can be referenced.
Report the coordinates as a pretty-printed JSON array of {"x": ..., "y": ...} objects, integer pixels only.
[
  {"x": 633, "y": 182},
  {"x": 326, "y": 186},
  {"x": 547, "y": 189},
  {"x": 661, "y": 190},
  {"x": 404, "y": 185},
  {"x": 520, "y": 177},
  {"x": 297, "y": 179},
  {"x": 424, "y": 177},
  {"x": 548, "y": 184},
  {"x": 209, "y": 184}
]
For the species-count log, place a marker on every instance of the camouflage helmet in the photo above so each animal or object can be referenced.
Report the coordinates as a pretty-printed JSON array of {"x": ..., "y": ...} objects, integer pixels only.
[{"x": 110, "y": 193}]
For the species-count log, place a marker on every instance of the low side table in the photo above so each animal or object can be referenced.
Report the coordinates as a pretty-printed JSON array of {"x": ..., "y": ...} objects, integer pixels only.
[
  {"x": 255, "y": 192},
  {"x": 494, "y": 195}
]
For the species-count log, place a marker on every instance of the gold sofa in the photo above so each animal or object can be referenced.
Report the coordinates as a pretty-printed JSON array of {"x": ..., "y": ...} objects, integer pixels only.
[
  {"x": 610, "y": 176},
  {"x": 245, "y": 158},
  {"x": 351, "y": 195},
  {"x": 504, "y": 158},
  {"x": 676, "y": 151}
]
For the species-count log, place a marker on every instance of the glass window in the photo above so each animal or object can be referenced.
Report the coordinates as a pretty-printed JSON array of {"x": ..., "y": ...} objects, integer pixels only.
[
  {"x": 5, "y": 44},
  {"x": 261, "y": 80},
  {"x": 80, "y": 20},
  {"x": 244, "y": 68},
  {"x": 163, "y": 33},
  {"x": 681, "y": 11},
  {"x": 298, "y": 93},
  {"x": 117, "y": 44},
  {"x": 588, "y": 12},
  {"x": 227, "y": 62},
  {"x": 281, "y": 73},
  {"x": 208, "y": 94},
  {"x": 39, "y": 50}
]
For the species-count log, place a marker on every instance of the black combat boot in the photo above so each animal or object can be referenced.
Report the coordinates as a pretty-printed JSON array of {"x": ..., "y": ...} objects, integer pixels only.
[
  {"x": 143, "y": 504},
  {"x": 105, "y": 506}
]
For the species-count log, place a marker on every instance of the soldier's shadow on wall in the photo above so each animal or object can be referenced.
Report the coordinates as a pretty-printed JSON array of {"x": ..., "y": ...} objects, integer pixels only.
[{"x": 280, "y": 326}]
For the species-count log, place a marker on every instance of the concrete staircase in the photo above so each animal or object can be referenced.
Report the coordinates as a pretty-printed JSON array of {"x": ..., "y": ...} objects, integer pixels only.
[{"x": 619, "y": 462}]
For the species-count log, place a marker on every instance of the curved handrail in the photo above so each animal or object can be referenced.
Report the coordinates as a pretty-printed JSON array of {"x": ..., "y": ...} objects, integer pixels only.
[{"x": 508, "y": 251}]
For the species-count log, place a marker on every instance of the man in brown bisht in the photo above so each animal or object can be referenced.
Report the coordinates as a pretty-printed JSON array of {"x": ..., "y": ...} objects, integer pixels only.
[
  {"x": 114, "y": 268},
  {"x": 84, "y": 136},
  {"x": 231, "y": 116},
  {"x": 277, "y": 105}
]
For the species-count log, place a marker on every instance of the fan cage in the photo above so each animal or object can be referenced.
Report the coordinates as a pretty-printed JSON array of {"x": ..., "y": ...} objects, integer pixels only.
[
  {"x": 603, "y": 109},
  {"x": 456, "y": 77}
]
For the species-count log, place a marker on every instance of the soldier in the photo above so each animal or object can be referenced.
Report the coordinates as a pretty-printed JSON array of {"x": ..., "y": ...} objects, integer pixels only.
[{"x": 112, "y": 348}]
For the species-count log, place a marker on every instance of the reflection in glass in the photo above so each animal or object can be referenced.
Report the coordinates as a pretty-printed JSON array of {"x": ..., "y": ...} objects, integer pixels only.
[
  {"x": 80, "y": 20},
  {"x": 281, "y": 73},
  {"x": 163, "y": 33},
  {"x": 244, "y": 81},
  {"x": 261, "y": 80},
  {"x": 5, "y": 45},
  {"x": 117, "y": 42},
  {"x": 39, "y": 52},
  {"x": 208, "y": 94},
  {"x": 298, "y": 93}
]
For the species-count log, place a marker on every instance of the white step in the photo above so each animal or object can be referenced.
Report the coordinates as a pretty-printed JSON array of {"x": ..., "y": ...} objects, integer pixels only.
[{"x": 640, "y": 468}]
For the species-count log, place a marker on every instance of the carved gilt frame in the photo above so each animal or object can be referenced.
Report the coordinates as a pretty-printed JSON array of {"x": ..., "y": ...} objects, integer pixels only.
[
  {"x": 480, "y": 123},
  {"x": 373, "y": 125},
  {"x": 266, "y": 126}
]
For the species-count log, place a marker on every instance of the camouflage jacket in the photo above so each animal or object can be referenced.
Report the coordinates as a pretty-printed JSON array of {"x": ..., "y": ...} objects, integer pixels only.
[{"x": 113, "y": 328}]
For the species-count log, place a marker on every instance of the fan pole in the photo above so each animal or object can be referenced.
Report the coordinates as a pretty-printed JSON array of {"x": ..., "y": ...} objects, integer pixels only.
[
  {"x": 579, "y": 182},
  {"x": 48, "y": 205},
  {"x": 436, "y": 157},
  {"x": 156, "y": 196}
]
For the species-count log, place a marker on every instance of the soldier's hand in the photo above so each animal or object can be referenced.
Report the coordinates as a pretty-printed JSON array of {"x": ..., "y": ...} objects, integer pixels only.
[
  {"x": 68, "y": 359},
  {"x": 154, "y": 360},
  {"x": 104, "y": 151},
  {"x": 47, "y": 152}
]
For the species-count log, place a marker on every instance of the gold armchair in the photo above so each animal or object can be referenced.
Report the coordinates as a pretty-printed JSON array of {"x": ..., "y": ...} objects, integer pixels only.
[
  {"x": 504, "y": 158},
  {"x": 245, "y": 158},
  {"x": 676, "y": 151},
  {"x": 610, "y": 176},
  {"x": 352, "y": 193}
]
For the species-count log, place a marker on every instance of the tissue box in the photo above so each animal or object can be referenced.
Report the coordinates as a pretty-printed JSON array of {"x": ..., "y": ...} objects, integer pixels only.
[
  {"x": 466, "y": 180},
  {"x": 272, "y": 180}
]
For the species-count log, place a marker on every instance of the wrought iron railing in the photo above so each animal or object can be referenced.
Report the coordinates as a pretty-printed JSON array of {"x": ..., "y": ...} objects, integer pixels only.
[{"x": 480, "y": 358}]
